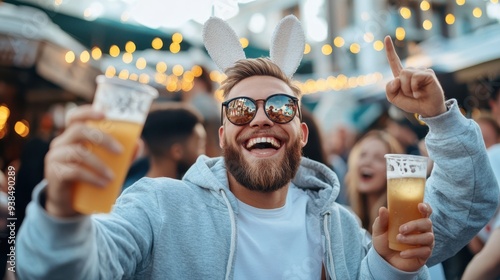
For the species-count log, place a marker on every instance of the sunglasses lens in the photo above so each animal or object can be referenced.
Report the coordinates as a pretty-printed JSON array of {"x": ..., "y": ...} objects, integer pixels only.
[
  {"x": 241, "y": 111},
  {"x": 280, "y": 108}
]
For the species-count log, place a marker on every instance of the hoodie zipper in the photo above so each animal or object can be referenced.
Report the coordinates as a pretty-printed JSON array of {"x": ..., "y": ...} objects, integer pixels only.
[
  {"x": 233, "y": 235},
  {"x": 328, "y": 244}
]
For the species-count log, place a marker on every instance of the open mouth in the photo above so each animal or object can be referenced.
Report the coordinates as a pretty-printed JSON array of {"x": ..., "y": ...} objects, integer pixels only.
[
  {"x": 366, "y": 175},
  {"x": 263, "y": 143}
]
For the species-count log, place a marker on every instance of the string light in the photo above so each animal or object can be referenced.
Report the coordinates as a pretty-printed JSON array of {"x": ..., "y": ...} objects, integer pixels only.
[
  {"x": 244, "y": 42},
  {"x": 110, "y": 72},
  {"x": 141, "y": 63},
  {"x": 157, "y": 43},
  {"x": 460, "y": 2},
  {"x": 405, "y": 12},
  {"x": 22, "y": 128},
  {"x": 123, "y": 74},
  {"x": 143, "y": 78},
  {"x": 307, "y": 48},
  {"x": 378, "y": 45},
  {"x": 424, "y": 5},
  {"x": 326, "y": 49},
  {"x": 96, "y": 53},
  {"x": 133, "y": 77},
  {"x": 114, "y": 51},
  {"x": 161, "y": 67},
  {"x": 69, "y": 57},
  {"x": 400, "y": 33},
  {"x": 188, "y": 76},
  {"x": 197, "y": 70},
  {"x": 177, "y": 70},
  {"x": 85, "y": 57},
  {"x": 175, "y": 47},
  {"x": 450, "y": 19},
  {"x": 477, "y": 12},
  {"x": 127, "y": 57},
  {"x": 427, "y": 24},
  {"x": 338, "y": 42},
  {"x": 177, "y": 37},
  {"x": 130, "y": 47},
  {"x": 355, "y": 48}
]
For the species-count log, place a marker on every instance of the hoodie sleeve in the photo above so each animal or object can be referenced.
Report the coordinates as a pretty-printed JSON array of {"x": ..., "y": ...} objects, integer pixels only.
[
  {"x": 462, "y": 189},
  {"x": 374, "y": 266},
  {"x": 111, "y": 246}
]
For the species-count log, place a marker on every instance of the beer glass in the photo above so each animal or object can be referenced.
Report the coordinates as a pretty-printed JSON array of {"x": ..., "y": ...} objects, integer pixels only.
[
  {"x": 406, "y": 175},
  {"x": 125, "y": 105}
]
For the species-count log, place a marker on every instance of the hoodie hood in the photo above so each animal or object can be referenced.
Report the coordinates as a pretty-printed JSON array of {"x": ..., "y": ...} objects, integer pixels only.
[{"x": 313, "y": 177}]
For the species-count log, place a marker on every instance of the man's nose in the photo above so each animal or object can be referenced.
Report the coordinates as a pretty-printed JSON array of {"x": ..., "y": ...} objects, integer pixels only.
[{"x": 261, "y": 118}]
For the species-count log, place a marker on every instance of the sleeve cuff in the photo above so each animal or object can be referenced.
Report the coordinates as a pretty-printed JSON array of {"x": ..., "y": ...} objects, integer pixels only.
[
  {"x": 381, "y": 269},
  {"x": 451, "y": 122},
  {"x": 47, "y": 223}
]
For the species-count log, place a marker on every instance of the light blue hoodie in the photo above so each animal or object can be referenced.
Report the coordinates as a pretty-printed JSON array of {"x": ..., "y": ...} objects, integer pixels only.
[{"x": 169, "y": 229}]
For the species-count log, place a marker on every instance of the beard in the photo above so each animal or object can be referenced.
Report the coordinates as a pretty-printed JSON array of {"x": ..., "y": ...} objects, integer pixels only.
[{"x": 265, "y": 175}]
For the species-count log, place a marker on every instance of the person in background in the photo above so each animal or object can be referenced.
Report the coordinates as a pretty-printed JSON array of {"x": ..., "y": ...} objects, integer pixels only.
[
  {"x": 201, "y": 96},
  {"x": 366, "y": 180},
  {"x": 173, "y": 137},
  {"x": 314, "y": 149},
  {"x": 339, "y": 142},
  {"x": 485, "y": 264},
  {"x": 490, "y": 129}
]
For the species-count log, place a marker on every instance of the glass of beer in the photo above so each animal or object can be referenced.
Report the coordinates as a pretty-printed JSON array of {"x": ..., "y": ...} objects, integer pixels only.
[
  {"x": 125, "y": 105},
  {"x": 406, "y": 175}
]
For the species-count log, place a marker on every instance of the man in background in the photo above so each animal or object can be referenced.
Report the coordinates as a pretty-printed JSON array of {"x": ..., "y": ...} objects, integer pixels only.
[{"x": 173, "y": 137}]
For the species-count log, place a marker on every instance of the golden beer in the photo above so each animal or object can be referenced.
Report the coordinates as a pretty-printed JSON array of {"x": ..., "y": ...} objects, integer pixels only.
[
  {"x": 90, "y": 199},
  {"x": 403, "y": 197}
]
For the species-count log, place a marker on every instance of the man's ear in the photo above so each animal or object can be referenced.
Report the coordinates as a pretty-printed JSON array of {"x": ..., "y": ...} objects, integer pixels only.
[
  {"x": 139, "y": 149},
  {"x": 176, "y": 151},
  {"x": 305, "y": 133},
  {"x": 221, "y": 137}
]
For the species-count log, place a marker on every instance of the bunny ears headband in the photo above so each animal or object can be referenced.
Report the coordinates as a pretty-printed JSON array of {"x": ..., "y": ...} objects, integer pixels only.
[{"x": 287, "y": 44}]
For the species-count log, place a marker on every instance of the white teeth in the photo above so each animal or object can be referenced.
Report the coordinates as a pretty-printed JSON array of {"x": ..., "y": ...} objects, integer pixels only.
[{"x": 274, "y": 142}]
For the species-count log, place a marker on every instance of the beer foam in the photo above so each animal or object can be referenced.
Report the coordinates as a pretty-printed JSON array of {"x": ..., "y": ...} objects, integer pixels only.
[
  {"x": 123, "y": 100},
  {"x": 405, "y": 166}
]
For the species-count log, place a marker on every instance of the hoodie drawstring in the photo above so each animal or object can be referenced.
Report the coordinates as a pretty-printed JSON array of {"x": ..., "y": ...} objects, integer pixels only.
[
  {"x": 233, "y": 235},
  {"x": 328, "y": 247}
]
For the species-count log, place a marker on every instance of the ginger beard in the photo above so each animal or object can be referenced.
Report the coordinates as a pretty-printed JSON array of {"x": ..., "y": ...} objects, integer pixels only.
[{"x": 263, "y": 175}]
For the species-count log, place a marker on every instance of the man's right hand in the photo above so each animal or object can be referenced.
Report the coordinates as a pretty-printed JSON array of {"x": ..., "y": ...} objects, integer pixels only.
[{"x": 69, "y": 161}]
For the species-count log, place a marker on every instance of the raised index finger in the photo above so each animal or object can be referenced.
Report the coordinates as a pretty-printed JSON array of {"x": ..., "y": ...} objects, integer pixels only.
[{"x": 392, "y": 57}]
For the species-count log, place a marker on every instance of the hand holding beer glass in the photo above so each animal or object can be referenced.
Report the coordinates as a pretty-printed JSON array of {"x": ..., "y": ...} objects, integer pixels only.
[
  {"x": 125, "y": 105},
  {"x": 406, "y": 175}
]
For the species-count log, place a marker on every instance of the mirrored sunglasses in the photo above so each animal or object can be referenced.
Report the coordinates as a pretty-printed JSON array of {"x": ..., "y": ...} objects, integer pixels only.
[{"x": 279, "y": 108}]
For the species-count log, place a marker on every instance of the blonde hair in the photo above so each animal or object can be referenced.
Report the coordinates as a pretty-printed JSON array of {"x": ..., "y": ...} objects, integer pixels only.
[
  {"x": 246, "y": 68},
  {"x": 357, "y": 200}
]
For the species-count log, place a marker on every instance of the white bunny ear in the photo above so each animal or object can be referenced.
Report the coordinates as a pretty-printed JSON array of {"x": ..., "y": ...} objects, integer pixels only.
[
  {"x": 287, "y": 45},
  {"x": 222, "y": 43}
]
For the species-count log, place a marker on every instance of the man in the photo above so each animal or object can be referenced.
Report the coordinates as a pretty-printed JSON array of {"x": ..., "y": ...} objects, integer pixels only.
[
  {"x": 173, "y": 137},
  {"x": 260, "y": 212}
]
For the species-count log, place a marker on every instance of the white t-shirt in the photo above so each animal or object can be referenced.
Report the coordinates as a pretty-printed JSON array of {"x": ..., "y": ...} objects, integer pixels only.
[{"x": 278, "y": 243}]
